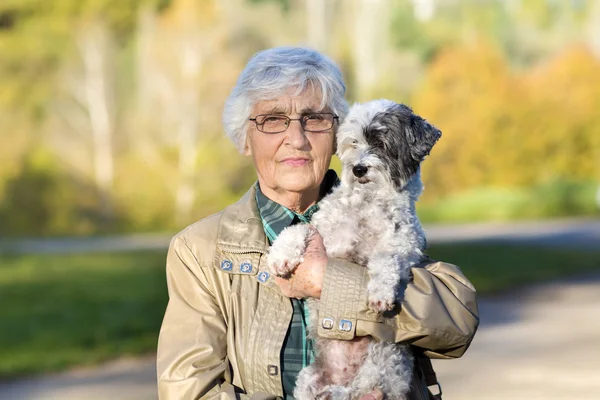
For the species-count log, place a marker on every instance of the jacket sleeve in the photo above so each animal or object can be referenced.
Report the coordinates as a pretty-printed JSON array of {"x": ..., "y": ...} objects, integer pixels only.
[
  {"x": 192, "y": 347},
  {"x": 438, "y": 312}
]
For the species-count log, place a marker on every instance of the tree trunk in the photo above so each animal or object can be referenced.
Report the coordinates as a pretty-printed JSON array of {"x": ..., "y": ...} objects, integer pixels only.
[
  {"x": 370, "y": 37},
  {"x": 94, "y": 49},
  {"x": 594, "y": 27},
  {"x": 316, "y": 24},
  {"x": 191, "y": 63}
]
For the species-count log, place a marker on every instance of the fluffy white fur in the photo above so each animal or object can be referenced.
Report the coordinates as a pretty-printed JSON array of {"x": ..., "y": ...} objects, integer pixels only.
[{"x": 368, "y": 219}]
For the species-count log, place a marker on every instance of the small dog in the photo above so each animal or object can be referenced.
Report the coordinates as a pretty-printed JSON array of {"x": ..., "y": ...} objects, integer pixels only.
[{"x": 368, "y": 219}]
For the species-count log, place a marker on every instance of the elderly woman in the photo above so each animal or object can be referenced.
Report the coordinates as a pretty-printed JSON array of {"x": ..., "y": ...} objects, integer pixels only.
[{"x": 232, "y": 330}]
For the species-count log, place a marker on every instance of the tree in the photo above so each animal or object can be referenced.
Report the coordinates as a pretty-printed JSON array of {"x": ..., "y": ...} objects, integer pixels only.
[
  {"x": 502, "y": 128},
  {"x": 172, "y": 71},
  {"x": 371, "y": 26},
  {"x": 94, "y": 45},
  {"x": 316, "y": 24}
]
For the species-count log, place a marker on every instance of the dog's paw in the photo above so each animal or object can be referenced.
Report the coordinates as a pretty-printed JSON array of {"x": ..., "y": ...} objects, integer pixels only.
[
  {"x": 381, "y": 301},
  {"x": 335, "y": 392},
  {"x": 284, "y": 267},
  {"x": 288, "y": 250}
]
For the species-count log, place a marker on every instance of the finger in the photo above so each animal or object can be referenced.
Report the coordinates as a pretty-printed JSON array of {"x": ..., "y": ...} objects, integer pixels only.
[{"x": 284, "y": 285}]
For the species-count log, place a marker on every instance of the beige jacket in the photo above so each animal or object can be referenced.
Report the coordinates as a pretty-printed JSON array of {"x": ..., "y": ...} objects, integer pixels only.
[{"x": 226, "y": 320}]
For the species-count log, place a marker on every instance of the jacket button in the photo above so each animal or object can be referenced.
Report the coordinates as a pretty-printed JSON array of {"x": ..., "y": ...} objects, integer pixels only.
[
  {"x": 273, "y": 370},
  {"x": 345, "y": 325},
  {"x": 327, "y": 323}
]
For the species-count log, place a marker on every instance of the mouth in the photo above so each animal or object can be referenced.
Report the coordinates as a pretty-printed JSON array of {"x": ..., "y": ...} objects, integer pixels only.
[
  {"x": 295, "y": 161},
  {"x": 363, "y": 180}
]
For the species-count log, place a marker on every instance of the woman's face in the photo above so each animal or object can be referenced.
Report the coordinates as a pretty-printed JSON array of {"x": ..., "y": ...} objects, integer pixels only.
[{"x": 293, "y": 162}]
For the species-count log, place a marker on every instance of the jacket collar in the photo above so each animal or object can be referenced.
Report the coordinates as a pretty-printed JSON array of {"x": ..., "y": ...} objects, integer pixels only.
[
  {"x": 275, "y": 217},
  {"x": 241, "y": 229}
]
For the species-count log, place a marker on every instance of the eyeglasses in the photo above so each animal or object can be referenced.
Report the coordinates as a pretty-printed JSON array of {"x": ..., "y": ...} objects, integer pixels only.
[{"x": 313, "y": 122}]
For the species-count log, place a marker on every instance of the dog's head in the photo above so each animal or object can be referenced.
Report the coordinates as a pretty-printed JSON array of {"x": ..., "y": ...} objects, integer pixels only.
[{"x": 382, "y": 142}]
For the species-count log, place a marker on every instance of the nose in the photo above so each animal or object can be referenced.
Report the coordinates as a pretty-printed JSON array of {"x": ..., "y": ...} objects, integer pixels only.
[
  {"x": 296, "y": 135},
  {"x": 359, "y": 170}
]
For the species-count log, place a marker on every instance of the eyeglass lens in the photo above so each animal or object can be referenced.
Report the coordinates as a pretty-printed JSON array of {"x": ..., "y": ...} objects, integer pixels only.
[{"x": 309, "y": 122}]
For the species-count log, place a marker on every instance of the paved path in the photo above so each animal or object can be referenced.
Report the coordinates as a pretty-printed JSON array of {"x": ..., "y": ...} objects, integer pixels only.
[
  {"x": 114, "y": 243},
  {"x": 581, "y": 233},
  {"x": 131, "y": 379},
  {"x": 542, "y": 343},
  {"x": 574, "y": 233}
]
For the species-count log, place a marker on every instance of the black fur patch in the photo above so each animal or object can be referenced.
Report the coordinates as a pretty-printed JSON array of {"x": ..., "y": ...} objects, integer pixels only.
[{"x": 402, "y": 140}]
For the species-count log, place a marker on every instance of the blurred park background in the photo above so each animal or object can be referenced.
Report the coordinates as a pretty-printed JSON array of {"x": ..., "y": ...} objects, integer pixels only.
[
  {"x": 110, "y": 117},
  {"x": 110, "y": 110}
]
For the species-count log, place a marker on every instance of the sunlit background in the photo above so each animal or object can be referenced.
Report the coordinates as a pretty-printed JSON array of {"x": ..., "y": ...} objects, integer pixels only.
[
  {"x": 110, "y": 110},
  {"x": 110, "y": 123}
]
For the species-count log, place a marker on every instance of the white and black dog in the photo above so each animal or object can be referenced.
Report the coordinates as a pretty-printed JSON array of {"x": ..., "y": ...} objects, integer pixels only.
[{"x": 368, "y": 219}]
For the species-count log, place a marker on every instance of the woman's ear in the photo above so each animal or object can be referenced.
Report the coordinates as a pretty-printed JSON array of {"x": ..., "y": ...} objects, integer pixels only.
[
  {"x": 247, "y": 150},
  {"x": 335, "y": 144}
]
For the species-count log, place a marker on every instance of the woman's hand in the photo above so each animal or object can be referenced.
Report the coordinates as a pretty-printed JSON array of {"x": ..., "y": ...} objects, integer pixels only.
[{"x": 307, "y": 279}]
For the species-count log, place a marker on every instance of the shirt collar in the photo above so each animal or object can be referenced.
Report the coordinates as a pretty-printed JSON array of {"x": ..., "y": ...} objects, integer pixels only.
[{"x": 276, "y": 218}]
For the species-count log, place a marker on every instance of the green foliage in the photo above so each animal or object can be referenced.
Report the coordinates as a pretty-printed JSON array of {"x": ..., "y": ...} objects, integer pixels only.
[
  {"x": 409, "y": 34},
  {"x": 284, "y": 4},
  {"x": 143, "y": 196},
  {"x": 42, "y": 200},
  {"x": 541, "y": 201},
  {"x": 38, "y": 34},
  {"x": 222, "y": 177},
  {"x": 508, "y": 132},
  {"x": 66, "y": 310}
]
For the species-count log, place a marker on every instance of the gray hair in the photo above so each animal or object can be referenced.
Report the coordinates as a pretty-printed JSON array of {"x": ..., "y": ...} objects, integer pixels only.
[{"x": 270, "y": 73}]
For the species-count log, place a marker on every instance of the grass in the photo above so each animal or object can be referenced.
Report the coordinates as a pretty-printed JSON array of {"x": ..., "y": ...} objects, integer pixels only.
[
  {"x": 64, "y": 310},
  {"x": 59, "y": 311},
  {"x": 494, "y": 268}
]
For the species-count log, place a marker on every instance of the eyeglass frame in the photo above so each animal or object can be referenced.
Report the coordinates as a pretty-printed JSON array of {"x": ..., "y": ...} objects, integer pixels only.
[{"x": 289, "y": 120}]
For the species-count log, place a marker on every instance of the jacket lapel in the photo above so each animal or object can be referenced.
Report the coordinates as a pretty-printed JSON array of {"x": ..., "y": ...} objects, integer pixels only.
[
  {"x": 241, "y": 230},
  {"x": 241, "y": 237}
]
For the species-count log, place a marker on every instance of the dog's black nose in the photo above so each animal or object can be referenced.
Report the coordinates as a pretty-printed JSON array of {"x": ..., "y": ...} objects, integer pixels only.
[{"x": 359, "y": 170}]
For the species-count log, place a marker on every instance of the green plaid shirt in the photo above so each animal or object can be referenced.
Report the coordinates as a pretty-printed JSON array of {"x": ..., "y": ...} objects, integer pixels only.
[{"x": 297, "y": 349}]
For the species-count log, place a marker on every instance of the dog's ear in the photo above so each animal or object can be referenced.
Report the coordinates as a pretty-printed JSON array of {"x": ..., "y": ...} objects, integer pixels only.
[
  {"x": 422, "y": 136},
  {"x": 419, "y": 134}
]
